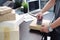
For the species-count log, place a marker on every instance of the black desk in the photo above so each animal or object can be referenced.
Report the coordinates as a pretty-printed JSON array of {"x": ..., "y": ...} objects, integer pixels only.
[{"x": 26, "y": 35}]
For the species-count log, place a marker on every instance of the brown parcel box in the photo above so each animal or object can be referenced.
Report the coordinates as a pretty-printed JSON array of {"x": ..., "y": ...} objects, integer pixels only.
[
  {"x": 35, "y": 26},
  {"x": 4, "y": 10},
  {"x": 7, "y": 17}
]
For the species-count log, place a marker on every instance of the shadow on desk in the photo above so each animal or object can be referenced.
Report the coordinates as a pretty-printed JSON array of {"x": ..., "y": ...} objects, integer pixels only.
[{"x": 25, "y": 33}]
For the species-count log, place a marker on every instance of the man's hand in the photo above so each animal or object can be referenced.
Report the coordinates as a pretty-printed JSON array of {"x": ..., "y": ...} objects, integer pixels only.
[
  {"x": 44, "y": 28},
  {"x": 39, "y": 16}
]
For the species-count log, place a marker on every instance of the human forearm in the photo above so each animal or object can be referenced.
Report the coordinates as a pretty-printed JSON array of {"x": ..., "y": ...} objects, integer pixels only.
[
  {"x": 55, "y": 23},
  {"x": 49, "y": 4}
]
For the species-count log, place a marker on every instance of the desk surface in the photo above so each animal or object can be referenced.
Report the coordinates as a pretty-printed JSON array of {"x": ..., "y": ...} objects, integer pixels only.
[{"x": 25, "y": 33}]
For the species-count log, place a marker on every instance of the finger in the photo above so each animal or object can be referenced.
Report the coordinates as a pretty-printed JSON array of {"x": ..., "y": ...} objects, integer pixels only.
[
  {"x": 40, "y": 17},
  {"x": 41, "y": 29},
  {"x": 46, "y": 31},
  {"x": 42, "y": 25},
  {"x": 37, "y": 16}
]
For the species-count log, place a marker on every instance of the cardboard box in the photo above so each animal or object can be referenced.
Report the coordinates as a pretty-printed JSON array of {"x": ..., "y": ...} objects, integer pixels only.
[
  {"x": 7, "y": 34},
  {"x": 4, "y": 10},
  {"x": 35, "y": 26},
  {"x": 7, "y": 17}
]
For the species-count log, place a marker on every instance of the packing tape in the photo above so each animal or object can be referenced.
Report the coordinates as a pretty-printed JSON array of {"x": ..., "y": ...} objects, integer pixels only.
[{"x": 6, "y": 33}]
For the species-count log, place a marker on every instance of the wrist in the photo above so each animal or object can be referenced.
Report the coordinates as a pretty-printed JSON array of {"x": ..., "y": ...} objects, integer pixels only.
[
  {"x": 52, "y": 26},
  {"x": 50, "y": 29},
  {"x": 41, "y": 12}
]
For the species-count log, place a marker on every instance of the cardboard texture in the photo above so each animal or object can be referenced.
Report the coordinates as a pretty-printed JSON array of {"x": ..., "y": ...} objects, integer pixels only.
[
  {"x": 7, "y": 34},
  {"x": 11, "y": 28},
  {"x": 35, "y": 26},
  {"x": 5, "y": 10},
  {"x": 7, "y": 17}
]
